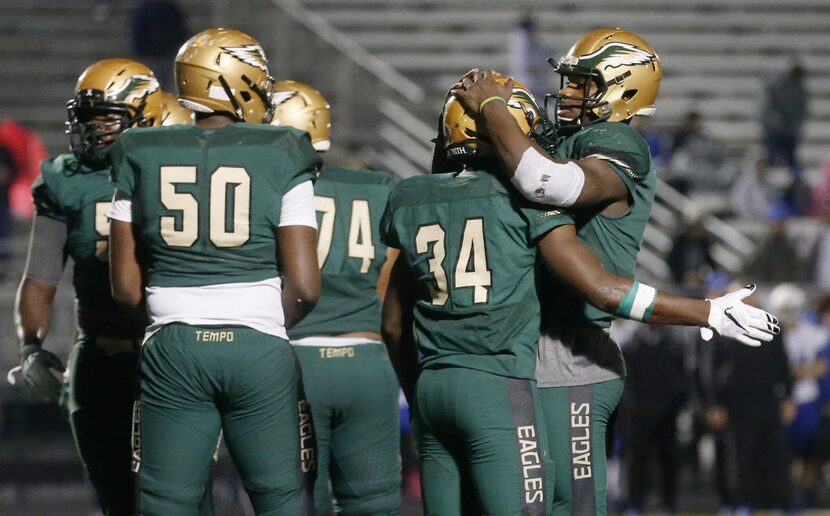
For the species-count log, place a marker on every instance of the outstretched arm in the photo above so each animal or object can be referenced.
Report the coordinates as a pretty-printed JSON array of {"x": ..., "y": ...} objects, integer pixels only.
[
  {"x": 396, "y": 328},
  {"x": 573, "y": 264}
]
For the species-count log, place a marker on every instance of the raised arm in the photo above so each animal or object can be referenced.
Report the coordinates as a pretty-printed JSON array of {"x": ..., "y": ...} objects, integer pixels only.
[
  {"x": 574, "y": 265},
  {"x": 540, "y": 178}
]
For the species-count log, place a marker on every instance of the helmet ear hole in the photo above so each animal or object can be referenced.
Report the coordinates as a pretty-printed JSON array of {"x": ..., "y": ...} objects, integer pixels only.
[
  {"x": 628, "y": 95},
  {"x": 245, "y": 96}
]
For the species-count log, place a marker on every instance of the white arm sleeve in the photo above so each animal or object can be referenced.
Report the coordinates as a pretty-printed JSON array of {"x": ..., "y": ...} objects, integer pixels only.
[
  {"x": 547, "y": 182},
  {"x": 297, "y": 207},
  {"x": 122, "y": 207}
]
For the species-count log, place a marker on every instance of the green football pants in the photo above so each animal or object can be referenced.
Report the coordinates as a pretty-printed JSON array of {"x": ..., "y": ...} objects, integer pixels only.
[
  {"x": 576, "y": 420},
  {"x": 195, "y": 381},
  {"x": 353, "y": 394},
  {"x": 482, "y": 447},
  {"x": 103, "y": 374}
]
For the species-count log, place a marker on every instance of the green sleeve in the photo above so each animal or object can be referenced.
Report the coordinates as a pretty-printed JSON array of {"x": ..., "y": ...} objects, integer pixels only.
[
  {"x": 542, "y": 219},
  {"x": 621, "y": 147},
  {"x": 122, "y": 172},
  {"x": 44, "y": 197},
  {"x": 388, "y": 233},
  {"x": 305, "y": 161}
]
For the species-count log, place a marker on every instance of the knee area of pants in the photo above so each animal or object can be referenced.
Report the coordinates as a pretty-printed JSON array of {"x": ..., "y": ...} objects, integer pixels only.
[{"x": 380, "y": 504}]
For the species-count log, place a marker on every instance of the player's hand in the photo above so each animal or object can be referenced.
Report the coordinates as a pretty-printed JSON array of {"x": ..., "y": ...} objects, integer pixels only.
[
  {"x": 730, "y": 317},
  {"x": 477, "y": 86},
  {"x": 36, "y": 371}
]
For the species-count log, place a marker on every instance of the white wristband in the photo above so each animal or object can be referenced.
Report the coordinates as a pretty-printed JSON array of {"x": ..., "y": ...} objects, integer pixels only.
[{"x": 544, "y": 181}]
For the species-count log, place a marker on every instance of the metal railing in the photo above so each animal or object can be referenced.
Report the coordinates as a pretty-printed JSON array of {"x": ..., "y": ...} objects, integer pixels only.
[{"x": 373, "y": 115}]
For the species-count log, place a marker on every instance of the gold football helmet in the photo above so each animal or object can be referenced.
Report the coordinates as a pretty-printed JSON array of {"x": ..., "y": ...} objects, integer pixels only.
[
  {"x": 625, "y": 68},
  {"x": 462, "y": 138},
  {"x": 225, "y": 71},
  {"x": 299, "y": 105},
  {"x": 111, "y": 96},
  {"x": 173, "y": 112}
]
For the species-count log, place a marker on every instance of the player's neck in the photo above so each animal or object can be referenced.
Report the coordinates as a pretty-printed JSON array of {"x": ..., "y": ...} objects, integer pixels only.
[{"x": 213, "y": 121}]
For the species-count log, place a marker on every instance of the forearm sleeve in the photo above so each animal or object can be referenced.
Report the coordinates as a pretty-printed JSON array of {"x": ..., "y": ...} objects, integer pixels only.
[
  {"x": 45, "y": 259},
  {"x": 544, "y": 181}
]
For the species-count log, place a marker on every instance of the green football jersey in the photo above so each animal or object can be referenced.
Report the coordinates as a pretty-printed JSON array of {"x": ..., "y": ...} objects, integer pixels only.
[
  {"x": 615, "y": 241},
  {"x": 80, "y": 197},
  {"x": 470, "y": 244},
  {"x": 207, "y": 201},
  {"x": 349, "y": 206}
]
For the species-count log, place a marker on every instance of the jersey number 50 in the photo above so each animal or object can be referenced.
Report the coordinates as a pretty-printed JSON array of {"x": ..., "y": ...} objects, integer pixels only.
[{"x": 221, "y": 233}]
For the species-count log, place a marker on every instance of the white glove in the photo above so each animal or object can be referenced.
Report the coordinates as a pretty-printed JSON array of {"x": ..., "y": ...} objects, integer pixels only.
[{"x": 730, "y": 317}]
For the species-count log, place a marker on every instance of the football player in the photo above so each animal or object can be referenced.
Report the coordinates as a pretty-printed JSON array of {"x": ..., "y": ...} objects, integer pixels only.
[
  {"x": 72, "y": 197},
  {"x": 223, "y": 213},
  {"x": 601, "y": 172},
  {"x": 348, "y": 379},
  {"x": 174, "y": 113},
  {"x": 464, "y": 283}
]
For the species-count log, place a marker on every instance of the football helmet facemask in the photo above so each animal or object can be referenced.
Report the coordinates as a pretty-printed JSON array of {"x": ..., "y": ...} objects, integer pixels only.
[
  {"x": 110, "y": 96},
  {"x": 299, "y": 105},
  {"x": 464, "y": 141},
  {"x": 225, "y": 71},
  {"x": 172, "y": 112},
  {"x": 625, "y": 69}
]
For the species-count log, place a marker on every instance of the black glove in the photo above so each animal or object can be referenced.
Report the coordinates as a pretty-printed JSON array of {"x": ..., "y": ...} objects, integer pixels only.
[{"x": 36, "y": 371}]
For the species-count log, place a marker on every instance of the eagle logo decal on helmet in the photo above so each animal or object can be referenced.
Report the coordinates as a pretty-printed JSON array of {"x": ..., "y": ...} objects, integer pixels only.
[
  {"x": 615, "y": 55},
  {"x": 138, "y": 87},
  {"x": 281, "y": 97},
  {"x": 252, "y": 55}
]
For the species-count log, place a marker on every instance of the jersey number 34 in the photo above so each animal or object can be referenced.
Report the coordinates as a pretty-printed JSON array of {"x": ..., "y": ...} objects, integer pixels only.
[{"x": 471, "y": 269}]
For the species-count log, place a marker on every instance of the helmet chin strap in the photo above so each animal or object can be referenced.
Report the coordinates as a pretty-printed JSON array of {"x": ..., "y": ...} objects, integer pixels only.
[
  {"x": 263, "y": 96},
  {"x": 240, "y": 115}
]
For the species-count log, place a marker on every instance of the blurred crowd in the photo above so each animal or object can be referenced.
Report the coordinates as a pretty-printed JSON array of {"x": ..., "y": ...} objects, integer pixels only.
[{"x": 752, "y": 423}]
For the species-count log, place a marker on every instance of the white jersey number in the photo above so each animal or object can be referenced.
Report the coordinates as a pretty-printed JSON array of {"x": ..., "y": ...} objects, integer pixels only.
[
  {"x": 359, "y": 244},
  {"x": 471, "y": 268},
  {"x": 223, "y": 232}
]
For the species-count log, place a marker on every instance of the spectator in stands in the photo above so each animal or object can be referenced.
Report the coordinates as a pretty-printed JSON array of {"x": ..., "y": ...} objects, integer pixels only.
[
  {"x": 696, "y": 158},
  {"x": 690, "y": 259},
  {"x": 821, "y": 191},
  {"x": 753, "y": 194},
  {"x": 820, "y": 255},
  {"x": 804, "y": 340},
  {"x": 714, "y": 415},
  {"x": 527, "y": 58},
  {"x": 159, "y": 28},
  {"x": 822, "y": 444},
  {"x": 8, "y": 171},
  {"x": 776, "y": 259},
  {"x": 27, "y": 150},
  {"x": 657, "y": 140},
  {"x": 783, "y": 109},
  {"x": 655, "y": 392},
  {"x": 750, "y": 399}
]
